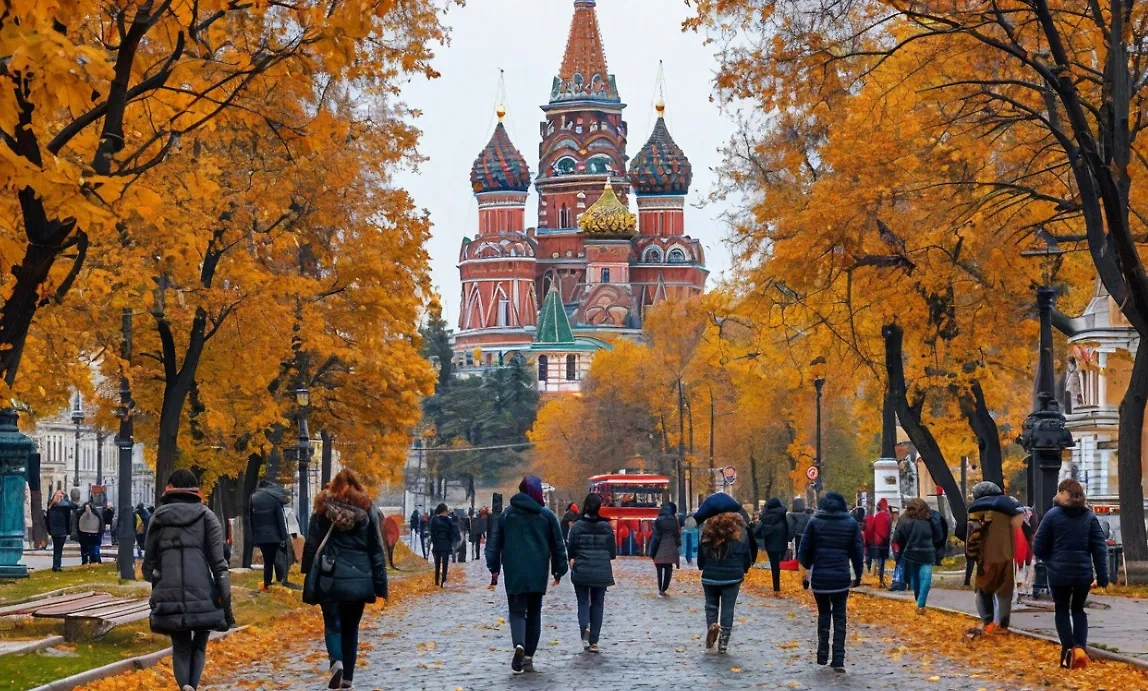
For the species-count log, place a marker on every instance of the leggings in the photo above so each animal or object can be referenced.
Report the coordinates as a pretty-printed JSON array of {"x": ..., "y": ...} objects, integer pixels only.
[
  {"x": 341, "y": 633},
  {"x": 271, "y": 563},
  {"x": 775, "y": 567},
  {"x": 665, "y": 575},
  {"x": 188, "y": 656},
  {"x": 441, "y": 561},
  {"x": 1071, "y": 619}
]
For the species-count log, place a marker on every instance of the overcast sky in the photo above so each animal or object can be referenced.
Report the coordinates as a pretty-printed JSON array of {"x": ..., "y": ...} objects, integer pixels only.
[{"x": 527, "y": 39}]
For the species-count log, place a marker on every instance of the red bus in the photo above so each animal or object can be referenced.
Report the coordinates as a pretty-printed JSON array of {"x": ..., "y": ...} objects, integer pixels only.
[{"x": 630, "y": 496}]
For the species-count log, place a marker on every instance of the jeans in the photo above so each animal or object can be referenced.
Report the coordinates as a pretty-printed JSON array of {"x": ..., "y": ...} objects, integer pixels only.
[
  {"x": 88, "y": 554},
  {"x": 1071, "y": 619},
  {"x": 477, "y": 544},
  {"x": 775, "y": 567},
  {"x": 879, "y": 555},
  {"x": 441, "y": 561},
  {"x": 58, "y": 551},
  {"x": 271, "y": 564},
  {"x": 720, "y": 598},
  {"x": 341, "y": 633},
  {"x": 591, "y": 603},
  {"x": 525, "y": 620},
  {"x": 665, "y": 575},
  {"x": 995, "y": 607},
  {"x": 423, "y": 540},
  {"x": 831, "y": 607},
  {"x": 188, "y": 655},
  {"x": 920, "y": 579},
  {"x": 688, "y": 547}
]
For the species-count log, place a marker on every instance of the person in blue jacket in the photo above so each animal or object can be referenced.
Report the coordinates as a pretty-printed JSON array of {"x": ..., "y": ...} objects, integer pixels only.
[
  {"x": 527, "y": 544},
  {"x": 1071, "y": 544},
  {"x": 831, "y": 542}
]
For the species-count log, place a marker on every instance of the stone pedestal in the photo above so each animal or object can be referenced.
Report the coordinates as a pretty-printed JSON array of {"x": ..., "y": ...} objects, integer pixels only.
[
  {"x": 15, "y": 448},
  {"x": 887, "y": 482}
]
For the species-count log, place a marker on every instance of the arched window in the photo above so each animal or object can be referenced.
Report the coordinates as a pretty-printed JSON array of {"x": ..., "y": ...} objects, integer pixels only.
[
  {"x": 571, "y": 367},
  {"x": 564, "y": 217},
  {"x": 565, "y": 166},
  {"x": 605, "y": 275},
  {"x": 599, "y": 165},
  {"x": 652, "y": 255},
  {"x": 543, "y": 368},
  {"x": 677, "y": 256}
]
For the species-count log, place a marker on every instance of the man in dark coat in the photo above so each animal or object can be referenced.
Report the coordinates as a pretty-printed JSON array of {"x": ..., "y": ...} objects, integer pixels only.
[
  {"x": 478, "y": 527},
  {"x": 269, "y": 528},
  {"x": 443, "y": 534},
  {"x": 527, "y": 544},
  {"x": 773, "y": 531},
  {"x": 60, "y": 511},
  {"x": 798, "y": 519},
  {"x": 832, "y": 542},
  {"x": 414, "y": 525},
  {"x": 568, "y": 519}
]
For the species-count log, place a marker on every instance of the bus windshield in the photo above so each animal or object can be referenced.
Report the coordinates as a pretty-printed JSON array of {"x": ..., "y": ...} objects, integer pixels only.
[{"x": 630, "y": 496}]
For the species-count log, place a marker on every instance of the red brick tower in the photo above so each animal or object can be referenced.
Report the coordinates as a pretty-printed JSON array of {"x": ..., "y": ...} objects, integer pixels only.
[
  {"x": 583, "y": 147},
  {"x": 667, "y": 263},
  {"x": 499, "y": 304}
]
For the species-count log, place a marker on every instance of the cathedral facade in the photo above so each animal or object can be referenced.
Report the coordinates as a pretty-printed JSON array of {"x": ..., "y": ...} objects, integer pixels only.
[{"x": 554, "y": 294}]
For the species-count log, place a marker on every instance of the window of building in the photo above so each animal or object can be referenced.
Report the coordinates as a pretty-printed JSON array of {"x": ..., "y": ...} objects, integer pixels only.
[
  {"x": 543, "y": 368},
  {"x": 564, "y": 217},
  {"x": 652, "y": 255},
  {"x": 503, "y": 312},
  {"x": 565, "y": 166},
  {"x": 599, "y": 165},
  {"x": 605, "y": 275},
  {"x": 677, "y": 256},
  {"x": 571, "y": 367}
]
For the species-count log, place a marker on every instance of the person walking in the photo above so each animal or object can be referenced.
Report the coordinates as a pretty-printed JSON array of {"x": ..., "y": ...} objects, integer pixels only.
[
  {"x": 142, "y": 519},
  {"x": 666, "y": 546},
  {"x": 690, "y": 538},
  {"x": 878, "y": 533},
  {"x": 478, "y": 527},
  {"x": 345, "y": 542},
  {"x": 414, "y": 525},
  {"x": 1071, "y": 544},
  {"x": 60, "y": 510},
  {"x": 568, "y": 519},
  {"x": 424, "y": 532},
  {"x": 109, "y": 522},
  {"x": 190, "y": 580},
  {"x": 591, "y": 547},
  {"x": 724, "y": 559},
  {"x": 916, "y": 538},
  {"x": 526, "y": 544},
  {"x": 798, "y": 519},
  {"x": 269, "y": 528},
  {"x": 992, "y": 518},
  {"x": 443, "y": 534},
  {"x": 773, "y": 532},
  {"x": 90, "y": 523},
  {"x": 831, "y": 544}
]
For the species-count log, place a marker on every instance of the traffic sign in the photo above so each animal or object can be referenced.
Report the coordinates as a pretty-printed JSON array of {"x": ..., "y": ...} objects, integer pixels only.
[
  {"x": 812, "y": 473},
  {"x": 729, "y": 474}
]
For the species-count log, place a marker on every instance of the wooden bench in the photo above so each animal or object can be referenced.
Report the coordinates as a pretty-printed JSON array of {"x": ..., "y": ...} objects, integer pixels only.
[{"x": 86, "y": 616}]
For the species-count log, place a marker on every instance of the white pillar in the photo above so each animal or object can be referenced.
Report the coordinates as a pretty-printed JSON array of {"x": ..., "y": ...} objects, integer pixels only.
[{"x": 886, "y": 482}]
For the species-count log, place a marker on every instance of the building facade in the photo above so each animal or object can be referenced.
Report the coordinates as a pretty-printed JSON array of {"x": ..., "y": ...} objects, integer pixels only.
[{"x": 604, "y": 265}]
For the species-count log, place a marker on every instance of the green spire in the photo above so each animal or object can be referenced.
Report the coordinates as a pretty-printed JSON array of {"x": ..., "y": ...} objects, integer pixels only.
[{"x": 553, "y": 324}]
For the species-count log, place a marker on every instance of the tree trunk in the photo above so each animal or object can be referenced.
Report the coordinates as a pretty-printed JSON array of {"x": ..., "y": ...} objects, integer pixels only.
[
  {"x": 167, "y": 442},
  {"x": 753, "y": 479},
  {"x": 250, "y": 479},
  {"x": 919, "y": 434},
  {"x": 21, "y": 305},
  {"x": 328, "y": 456},
  {"x": 1129, "y": 455},
  {"x": 981, "y": 421}
]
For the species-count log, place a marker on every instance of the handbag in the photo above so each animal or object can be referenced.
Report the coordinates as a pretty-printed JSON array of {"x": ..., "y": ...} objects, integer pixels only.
[{"x": 321, "y": 565}]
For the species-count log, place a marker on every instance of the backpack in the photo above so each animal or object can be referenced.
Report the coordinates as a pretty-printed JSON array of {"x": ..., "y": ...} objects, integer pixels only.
[
  {"x": 139, "y": 525},
  {"x": 89, "y": 521}
]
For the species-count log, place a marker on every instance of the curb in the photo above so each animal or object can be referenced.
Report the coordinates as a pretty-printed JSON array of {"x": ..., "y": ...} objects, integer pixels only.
[
  {"x": 33, "y": 646},
  {"x": 118, "y": 667},
  {"x": 1092, "y": 651}
]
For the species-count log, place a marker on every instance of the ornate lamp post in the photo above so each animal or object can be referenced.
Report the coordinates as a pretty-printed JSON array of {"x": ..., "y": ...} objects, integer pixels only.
[
  {"x": 818, "y": 384},
  {"x": 303, "y": 453},
  {"x": 15, "y": 449},
  {"x": 125, "y": 446},
  {"x": 77, "y": 420}
]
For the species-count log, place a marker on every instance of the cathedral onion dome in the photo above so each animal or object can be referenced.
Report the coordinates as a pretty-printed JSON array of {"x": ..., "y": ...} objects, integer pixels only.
[
  {"x": 608, "y": 217},
  {"x": 661, "y": 167},
  {"x": 500, "y": 167}
]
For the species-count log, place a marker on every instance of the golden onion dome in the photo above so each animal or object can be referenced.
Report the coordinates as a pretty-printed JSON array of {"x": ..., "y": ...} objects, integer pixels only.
[{"x": 608, "y": 217}]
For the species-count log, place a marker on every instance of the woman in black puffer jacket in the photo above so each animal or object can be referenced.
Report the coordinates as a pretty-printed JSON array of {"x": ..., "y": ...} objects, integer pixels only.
[
  {"x": 190, "y": 581},
  {"x": 666, "y": 545},
  {"x": 831, "y": 543},
  {"x": 1071, "y": 544},
  {"x": 591, "y": 547},
  {"x": 344, "y": 538}
]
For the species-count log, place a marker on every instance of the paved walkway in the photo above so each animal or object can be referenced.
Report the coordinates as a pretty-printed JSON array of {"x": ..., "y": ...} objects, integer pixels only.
[
  {"x": 1120, "y": 624},
  {"x": 458, "y": 639}
]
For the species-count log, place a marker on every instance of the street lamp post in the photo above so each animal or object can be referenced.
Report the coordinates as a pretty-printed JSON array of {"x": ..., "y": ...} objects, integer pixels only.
[
  {"x": 77, "y": 420},
  {"x": 125, "y": 444},
  {"x": 818, "y": 384},
  {"x": 303, "y": 399},
  {"x": 681, "y": 442}
]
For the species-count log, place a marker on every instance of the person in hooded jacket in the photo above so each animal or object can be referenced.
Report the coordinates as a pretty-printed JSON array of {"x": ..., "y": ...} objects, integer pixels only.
[
  {"x": 60, "y": 510},
  {"x": 878, "y": 533},
  {"x": 798, "y": 519},
  {"x": 568, "y": 519},
  {"x": 269, "y": 528},
  {"x": 345, "y": 542},
  {"x": 478, "y": 528},
  {"x": 916, "y": 538},
  {"x": 773, "y": 532},
  {"x": 591, "y": 547},
  {"x": 989, "y": 542},
  {"x": 1071, "y": 544},
  {"x": 444, "y": 534},
  {"x": 666, "y": 545},
  {"x": 831, "y": 543},
  {"x": 727, "y": 552},
  {"x": 527, "y": 544},
  {"x": 90, "y": 524},
  {"x": 189, "y": 576}
]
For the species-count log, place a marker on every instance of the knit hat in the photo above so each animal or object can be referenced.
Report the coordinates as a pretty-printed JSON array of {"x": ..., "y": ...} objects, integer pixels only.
[
  {"x": 986, "y": 489},
  {"x": 532, "y": 485}
]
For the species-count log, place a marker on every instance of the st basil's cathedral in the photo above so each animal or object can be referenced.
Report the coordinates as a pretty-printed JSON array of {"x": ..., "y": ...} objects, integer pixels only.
[{"x": 554, "y": 295}]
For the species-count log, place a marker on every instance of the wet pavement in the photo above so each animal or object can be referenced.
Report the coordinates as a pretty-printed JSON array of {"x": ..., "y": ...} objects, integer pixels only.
[{"x": 457, "y": 638}]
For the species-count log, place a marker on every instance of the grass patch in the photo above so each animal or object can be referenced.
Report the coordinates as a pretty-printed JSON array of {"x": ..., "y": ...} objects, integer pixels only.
[{"x": 102, "y": 577}]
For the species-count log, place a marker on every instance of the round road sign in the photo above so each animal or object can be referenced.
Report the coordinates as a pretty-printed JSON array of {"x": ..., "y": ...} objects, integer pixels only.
[{"x": 812, "y": 473}]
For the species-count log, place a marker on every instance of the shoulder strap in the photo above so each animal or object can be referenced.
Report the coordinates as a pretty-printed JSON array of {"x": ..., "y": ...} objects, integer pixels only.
[{"x": 324, "y": 542}]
